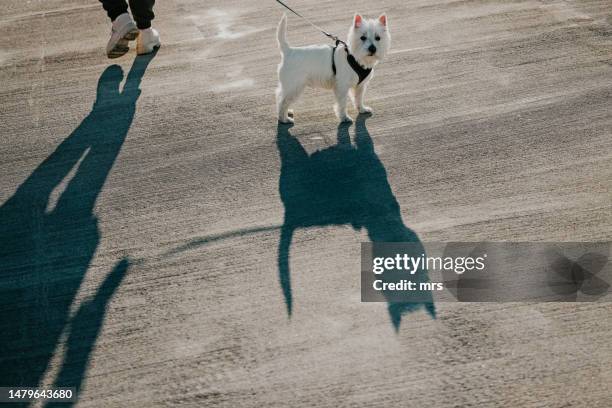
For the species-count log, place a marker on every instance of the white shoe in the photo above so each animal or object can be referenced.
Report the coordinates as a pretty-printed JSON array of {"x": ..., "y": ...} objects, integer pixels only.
[
  {"x": 148, "y": 41},
  {"x": 124, "y": 30}
]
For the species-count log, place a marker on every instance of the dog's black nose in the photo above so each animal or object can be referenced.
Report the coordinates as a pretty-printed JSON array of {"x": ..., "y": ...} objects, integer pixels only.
[{"x": 372, "y": 49}]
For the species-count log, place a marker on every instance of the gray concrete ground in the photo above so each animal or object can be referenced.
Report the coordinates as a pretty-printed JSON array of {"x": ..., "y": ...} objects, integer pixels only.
[{"x": 141, "y": 232}]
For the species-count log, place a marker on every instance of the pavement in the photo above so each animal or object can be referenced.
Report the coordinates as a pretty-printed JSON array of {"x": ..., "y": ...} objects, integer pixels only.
[{"x": 163, "y": 242}]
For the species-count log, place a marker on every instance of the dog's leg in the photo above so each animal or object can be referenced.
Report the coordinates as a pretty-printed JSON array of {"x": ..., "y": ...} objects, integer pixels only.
[
  {"x": 282, "y": 105},
  {"x": 285, "y": 96},
  {"x": 341, "y": 92},
  {"x": 359, "y": 97}
]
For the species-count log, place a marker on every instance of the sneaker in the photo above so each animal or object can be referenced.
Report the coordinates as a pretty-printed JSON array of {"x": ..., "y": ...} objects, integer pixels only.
[
  {"x": 123, "y": 31},
  {"x": 148, "y": 41}
]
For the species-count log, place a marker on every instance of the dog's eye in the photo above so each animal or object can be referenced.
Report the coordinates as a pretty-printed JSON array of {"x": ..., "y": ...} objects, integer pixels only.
[
  {"x": 377, "y": 38},
  {"x": 363, "y": 38}
]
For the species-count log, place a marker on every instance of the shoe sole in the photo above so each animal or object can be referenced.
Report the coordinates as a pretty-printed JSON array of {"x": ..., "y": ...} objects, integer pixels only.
[{"x": 122, "y": 46}]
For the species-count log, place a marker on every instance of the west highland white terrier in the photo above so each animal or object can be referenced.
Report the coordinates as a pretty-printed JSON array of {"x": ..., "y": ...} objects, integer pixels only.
[{"x": 329, "y": 67}]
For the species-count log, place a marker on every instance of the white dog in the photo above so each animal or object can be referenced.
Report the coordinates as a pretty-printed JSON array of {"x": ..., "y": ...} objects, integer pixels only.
[{"x": 331, "y": 67}]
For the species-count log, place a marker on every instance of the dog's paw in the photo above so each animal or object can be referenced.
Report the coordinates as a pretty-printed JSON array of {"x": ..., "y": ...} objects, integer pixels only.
[
  {"x": 287, "y": 121},
  {"x": 346, "y": 119},
  {"x": 365, "y": 109}
]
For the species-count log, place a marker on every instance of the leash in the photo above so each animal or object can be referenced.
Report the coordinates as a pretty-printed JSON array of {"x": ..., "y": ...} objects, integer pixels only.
[{"x": 325, "y": 33}]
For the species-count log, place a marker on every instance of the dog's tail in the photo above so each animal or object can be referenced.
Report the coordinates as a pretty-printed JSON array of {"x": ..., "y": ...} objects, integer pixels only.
[{"x": 281, "y": 34}]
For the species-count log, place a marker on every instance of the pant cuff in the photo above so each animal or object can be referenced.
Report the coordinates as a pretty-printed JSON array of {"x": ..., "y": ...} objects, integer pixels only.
[
  {"x": 114, "y": 13},
  {"x": 143, "y": 25}
]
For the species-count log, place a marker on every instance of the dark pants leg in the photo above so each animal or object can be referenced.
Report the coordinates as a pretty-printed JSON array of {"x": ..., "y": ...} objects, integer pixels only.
[
  {"x": 114, "y": 8},
  {"x": 142, "y": 11}
]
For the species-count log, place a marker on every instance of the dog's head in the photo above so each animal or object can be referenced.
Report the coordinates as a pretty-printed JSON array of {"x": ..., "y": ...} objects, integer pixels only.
[{"x": 369, "y": 39}]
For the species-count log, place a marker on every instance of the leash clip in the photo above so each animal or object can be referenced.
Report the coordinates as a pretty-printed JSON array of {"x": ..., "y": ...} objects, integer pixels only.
[{"x": 337, "y": 40}]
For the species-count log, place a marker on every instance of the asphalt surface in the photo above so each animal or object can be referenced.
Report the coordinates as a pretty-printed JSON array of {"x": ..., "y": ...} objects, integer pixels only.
[{"x": 145, "y": 248}]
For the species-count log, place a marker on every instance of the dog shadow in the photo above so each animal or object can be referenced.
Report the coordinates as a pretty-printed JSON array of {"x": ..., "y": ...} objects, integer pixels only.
[
  {"x": 345, "y": 184},
  {"x": 47, "y": 244}
]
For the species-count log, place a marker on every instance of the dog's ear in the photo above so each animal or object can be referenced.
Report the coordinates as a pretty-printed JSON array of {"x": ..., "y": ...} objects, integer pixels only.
[
  {"x": 357, "y": 21},
  {"x": 383, "y": 19}
]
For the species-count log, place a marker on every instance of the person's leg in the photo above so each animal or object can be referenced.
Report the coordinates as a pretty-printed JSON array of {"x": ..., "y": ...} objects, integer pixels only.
[
  {"x": 148, "y": 40},
  {"x": 123, "y": 30},
  {"x": 114, "y": 8},
  {"x": 142, "y": 10}
]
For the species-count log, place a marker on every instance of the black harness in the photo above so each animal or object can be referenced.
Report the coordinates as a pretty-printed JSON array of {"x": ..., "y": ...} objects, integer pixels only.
[{"x": 361, "y": 72}]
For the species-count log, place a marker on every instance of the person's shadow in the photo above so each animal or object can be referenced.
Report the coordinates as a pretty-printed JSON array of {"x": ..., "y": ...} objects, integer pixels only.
[
  {"x": 343, "y": 184},
  {"x": 47, "y": 244}
]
